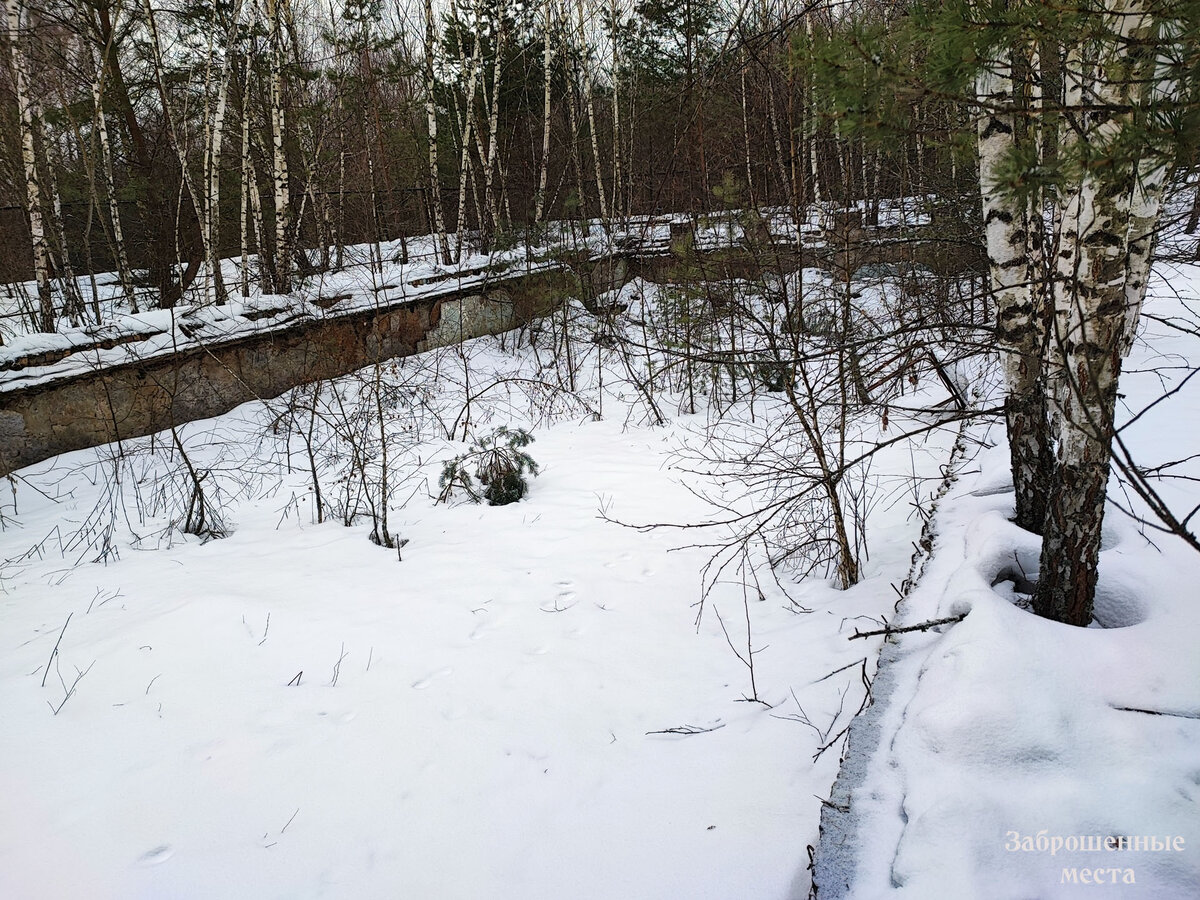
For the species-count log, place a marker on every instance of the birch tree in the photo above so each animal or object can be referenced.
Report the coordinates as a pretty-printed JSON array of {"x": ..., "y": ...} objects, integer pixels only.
[
  {"x": 27, "y": 115},
  {"x": 544, "y": 162},
  {"x": 1109, "y": 213},
  {"x": 110, "y": 184},
  {"x": 1094, "y": 144},
  {"x": 1012, "y": 226},
  {"x": 212, "y": 161},
  {"x": 283, "y": 265},
  {"x": 435, "y": 184}
]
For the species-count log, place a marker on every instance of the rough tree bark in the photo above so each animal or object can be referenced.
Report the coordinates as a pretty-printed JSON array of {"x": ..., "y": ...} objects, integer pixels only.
[
  {"x": 33, "y": 188},
  {"x": 110, "y": 186},
  {"x": 435, "y": 184},
  {"x": 283, "y": 265},
  {"x": 1104, "y": 83},
  {"x": 1018, "y": 294},
  {"x": 544, "y": 163}
]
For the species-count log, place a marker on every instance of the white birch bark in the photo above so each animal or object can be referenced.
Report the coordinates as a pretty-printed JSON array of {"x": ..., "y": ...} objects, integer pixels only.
[
  {"x": 172, "y": 126},
  {"x": 33, "y": 188},
  {"x": 752, "y": 198},
  {"x": 213, "y": 146},
  {"x": 544, "y": 163},
  {"x": 590, "y": 107},
  {"x": 1091, "y": 318},
  {"x": 431, "y": 130},
  {"x": 247, "y": 174},
  {"x": 1145, "y": 207},
  {"x": 489, "y": 165},
  {"x": 1015, "y": 291},
  {"x": 283, "y": 261},
  {"x": 465, "y": 127},
  {"x": 110, "y": 185},
  {"x": 1152, "y": 81},
  {"x": 73, "y": 307},
  {"x": 618, "y": 176}
]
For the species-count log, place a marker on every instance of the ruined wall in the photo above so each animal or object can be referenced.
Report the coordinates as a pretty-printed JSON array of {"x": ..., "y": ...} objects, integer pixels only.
[
  {"x": 86, "y": 408},
  {"x": 141, "y": 397}
]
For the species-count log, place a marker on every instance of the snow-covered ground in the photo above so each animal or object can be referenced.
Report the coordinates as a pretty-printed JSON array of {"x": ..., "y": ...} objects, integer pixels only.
[
  {"x": 515, "y": 703},
  {"x": 1021, "y": 758},
  {"x": 518, "y": 702}
]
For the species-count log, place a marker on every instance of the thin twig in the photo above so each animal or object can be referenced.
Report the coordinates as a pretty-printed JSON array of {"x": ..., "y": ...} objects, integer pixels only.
[
  {"x": 337, "y": 667},
  {"x": 923, "y": 626},
  {"x": 71, "y": 690},
  {"x": 687, "y": 729},
  {"x": 55, "y": 650},
  {"x": 289, "y": 821}
]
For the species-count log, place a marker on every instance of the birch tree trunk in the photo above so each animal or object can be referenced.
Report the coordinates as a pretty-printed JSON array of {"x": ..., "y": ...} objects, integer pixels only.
[
  {"x": 283, "y": 257},
  {"x": 435, "y": 184},
  {"x": 489, "y": 164},
  {"x": 33, "y": 189},
  {"x": 752, "y": 197},
  {"x": 339, "y": 252},
  {"x": 110, "y": 188},
  {"x": 544, "y": 164},
  {"x": 1018, "y": 296},
  {"x": 465, "y": 125},
  {"x": 1091, "y": 314},
  {"x": 212, "y": 205},
  {"x": 179, "y": 147},
  {"x": 73, "y": 307},
  {"x": 590, "y": 106},
  {"x": 618, "y": 178},
  {"x": 247, "y": 173}
]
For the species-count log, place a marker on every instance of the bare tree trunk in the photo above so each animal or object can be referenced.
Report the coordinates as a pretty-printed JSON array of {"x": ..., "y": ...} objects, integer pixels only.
[
  {"x": 435, "y": 183},
  {"x": 340, "y": 244},
  {"x": 751, "y": 196},
  {"x": 544, "y": 164},
  {"x": 576, "y": 152},
  {"x": 87, "y": 156},
  {"x": 212, "y": 206},
  {"x": 1093, "y": 301},
  {"x": 247, "y": 175},
  {"x": 283, "y": 256},
  {"x": 175, "y": 138},
  {"x": 73, "y": 307},
  {"x": 110, "y": 188},
  {"x": 33, "y": 193},
  {"x": 265, "y": 280},
  {"x": 616, "y": 117},
  {"x": 376, "y": 245},
  {"x": 464, "y": 130},
  {"x": 590, "y": 106},
  {"x": 489, "y": 164},
  {"x": 1019, "y": 298}
]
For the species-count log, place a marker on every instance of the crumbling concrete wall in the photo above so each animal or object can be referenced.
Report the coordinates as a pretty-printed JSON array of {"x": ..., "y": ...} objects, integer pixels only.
[
  {"x": 84, "y": 408},
  {"x": 118, "y": 402}
]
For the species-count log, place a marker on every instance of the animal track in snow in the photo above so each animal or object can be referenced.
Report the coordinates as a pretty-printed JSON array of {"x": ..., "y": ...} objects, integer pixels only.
[
  {"x": 564, "y": 599},
  {"x": 157, "y": 856},
  {"x": 429, "y": 679}
]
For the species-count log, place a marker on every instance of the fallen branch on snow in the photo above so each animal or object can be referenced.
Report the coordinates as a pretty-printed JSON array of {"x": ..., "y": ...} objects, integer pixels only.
[
  {"x": 923, "y": 626},
  {"x": 686, "y": 729}
]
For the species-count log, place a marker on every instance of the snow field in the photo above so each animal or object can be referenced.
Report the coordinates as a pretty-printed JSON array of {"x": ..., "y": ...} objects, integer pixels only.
[
  {"x": 1009, "y": 725},
  {"x": 292, "y": 711}
]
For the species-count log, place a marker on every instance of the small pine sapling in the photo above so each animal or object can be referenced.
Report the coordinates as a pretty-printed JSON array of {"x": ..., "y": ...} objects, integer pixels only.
[{"x": 494, "y": 469}]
